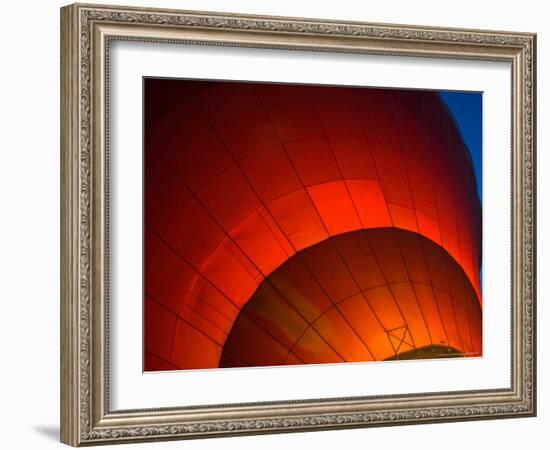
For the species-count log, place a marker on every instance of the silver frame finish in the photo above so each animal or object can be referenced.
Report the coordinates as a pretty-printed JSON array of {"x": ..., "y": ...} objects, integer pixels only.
[{"x": 86, "y": 32}]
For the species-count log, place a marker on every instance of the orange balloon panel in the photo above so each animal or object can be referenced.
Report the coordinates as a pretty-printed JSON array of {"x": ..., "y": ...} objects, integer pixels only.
[
  {"x": 406, "y": 312},
  {"x": 240, "y": 178}
]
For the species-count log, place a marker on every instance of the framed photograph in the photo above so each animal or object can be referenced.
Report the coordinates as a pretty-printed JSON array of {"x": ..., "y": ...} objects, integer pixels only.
[{"x": 276, "y": 225}]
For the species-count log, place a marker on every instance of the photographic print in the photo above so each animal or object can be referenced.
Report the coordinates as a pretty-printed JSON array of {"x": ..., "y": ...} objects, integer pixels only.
[
  {"x": 294, "y": 224},
  {"x": 342, "y": 211}
]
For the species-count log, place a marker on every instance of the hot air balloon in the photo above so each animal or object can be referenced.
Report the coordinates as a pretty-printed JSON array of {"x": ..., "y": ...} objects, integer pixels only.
[{"x": 297, "y": 224}]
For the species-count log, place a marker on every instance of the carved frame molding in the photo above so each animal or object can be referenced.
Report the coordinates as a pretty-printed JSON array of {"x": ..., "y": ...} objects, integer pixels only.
[{"x": 86, "y": 31}]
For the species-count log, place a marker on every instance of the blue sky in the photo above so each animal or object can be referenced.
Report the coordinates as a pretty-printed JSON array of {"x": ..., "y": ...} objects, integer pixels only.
[{"x": 466, "y": 108}]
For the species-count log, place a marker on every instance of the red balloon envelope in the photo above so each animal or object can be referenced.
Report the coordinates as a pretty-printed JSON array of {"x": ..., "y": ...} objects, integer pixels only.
[{"x": 290, "y": 224}]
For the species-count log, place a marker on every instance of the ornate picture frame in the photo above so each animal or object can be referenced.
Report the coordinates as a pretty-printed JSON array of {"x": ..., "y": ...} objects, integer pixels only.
[{"x": 87, "y": 31}]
